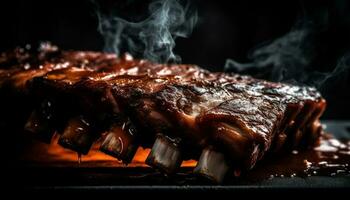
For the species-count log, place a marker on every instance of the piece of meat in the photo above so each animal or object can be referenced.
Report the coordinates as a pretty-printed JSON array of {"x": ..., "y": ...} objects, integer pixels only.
[
  {"x": 92, "y": 89},
  {"x": 225, "y": 121}
]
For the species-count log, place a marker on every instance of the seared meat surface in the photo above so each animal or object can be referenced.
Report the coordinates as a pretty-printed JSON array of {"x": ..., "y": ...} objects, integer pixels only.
[{"x": 225, "y": 121}]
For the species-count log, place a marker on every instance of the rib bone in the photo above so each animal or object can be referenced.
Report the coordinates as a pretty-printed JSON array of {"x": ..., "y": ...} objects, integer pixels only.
[
  {"x": 77, "y": 135},
  {"x": 165, "y": 155},
  {"x": 212, "y": 165},
  {"x": 40, "y": 122},
  {"x": 119, "y": 143}
]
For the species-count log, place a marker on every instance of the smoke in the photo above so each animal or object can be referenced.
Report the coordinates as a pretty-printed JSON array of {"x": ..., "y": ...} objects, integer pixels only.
[
  {"x": 290, "y": 58},
  {"x": 337, "y": 77},
  {"x": 284, "y": 59},
  {"x": 152, "y": 38}
]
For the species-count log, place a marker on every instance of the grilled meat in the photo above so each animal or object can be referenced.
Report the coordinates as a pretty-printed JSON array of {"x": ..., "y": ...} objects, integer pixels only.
[{"x": 225, "y": 121}]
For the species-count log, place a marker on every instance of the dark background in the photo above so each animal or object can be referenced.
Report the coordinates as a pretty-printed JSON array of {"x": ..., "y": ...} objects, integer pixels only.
[{"x": 225, "y": 30}]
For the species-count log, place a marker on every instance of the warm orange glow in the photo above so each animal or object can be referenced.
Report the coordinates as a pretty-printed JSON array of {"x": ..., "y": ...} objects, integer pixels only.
[{"x": 54, "y": 154}]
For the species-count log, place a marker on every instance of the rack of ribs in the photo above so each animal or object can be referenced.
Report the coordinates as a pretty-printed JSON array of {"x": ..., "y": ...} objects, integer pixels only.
[{"x": 227, "y": 122}]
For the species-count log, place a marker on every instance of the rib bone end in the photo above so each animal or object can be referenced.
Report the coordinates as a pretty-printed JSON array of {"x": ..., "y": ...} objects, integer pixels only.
[
  {"x": 38, "y": 126},
  {"x": 165, "y": 155},
  {"x": 212, "y": 165},
  {"x": 120, "y": 144},
  {"x": 77, "y": 136}
]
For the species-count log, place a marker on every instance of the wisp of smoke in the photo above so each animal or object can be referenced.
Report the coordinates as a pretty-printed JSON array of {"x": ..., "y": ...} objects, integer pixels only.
[
  {"x": 152, "y": 38},
  {"x": 338, "y": 76},
  {"x": 284, "y": 59},
  {"x": 289, "y": 59}
]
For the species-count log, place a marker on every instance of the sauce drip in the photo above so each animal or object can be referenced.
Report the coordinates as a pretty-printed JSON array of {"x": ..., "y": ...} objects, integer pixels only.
[
  {"x": 330, "y": 158},
  {"x": 79, "y": 158}
]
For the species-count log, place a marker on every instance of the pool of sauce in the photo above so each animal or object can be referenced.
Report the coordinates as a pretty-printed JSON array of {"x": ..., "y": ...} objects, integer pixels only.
[{"x": 330, "y": 158}]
